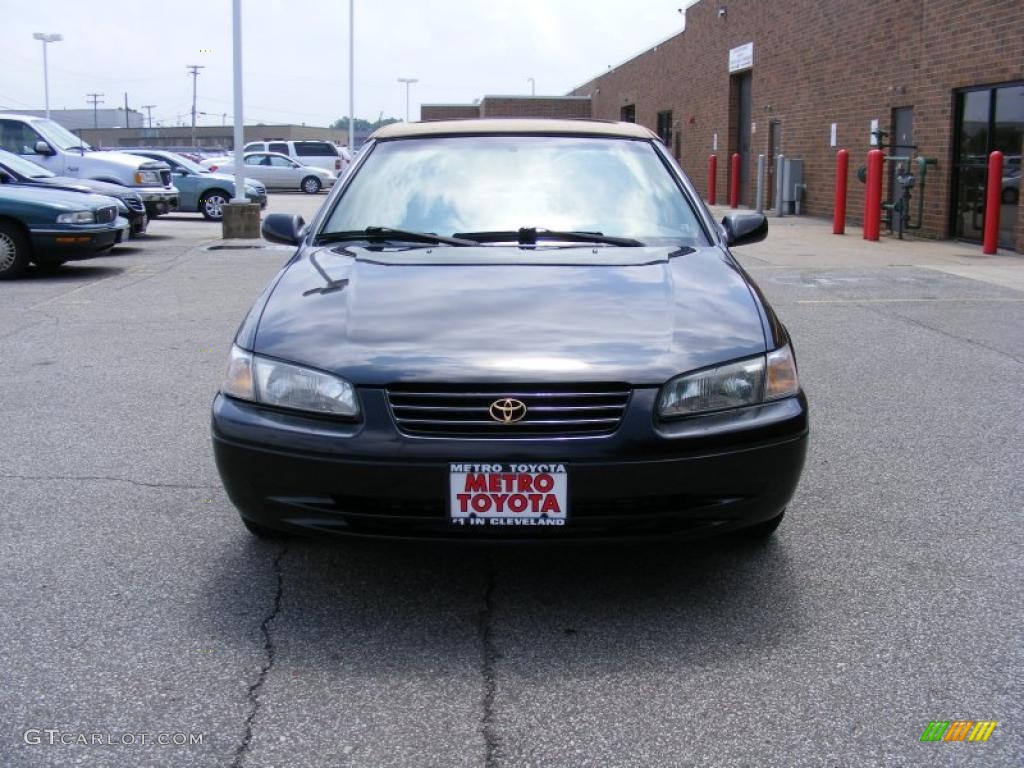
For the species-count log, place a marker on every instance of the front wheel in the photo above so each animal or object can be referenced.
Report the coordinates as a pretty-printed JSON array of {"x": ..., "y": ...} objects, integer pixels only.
[
  {"x": 211, "y": 205},
  {"x": 14, "y": 251},
  {"x": 311, "y": 185}
]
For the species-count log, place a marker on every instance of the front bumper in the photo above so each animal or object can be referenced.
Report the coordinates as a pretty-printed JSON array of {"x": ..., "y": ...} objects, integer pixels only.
[
  {"x": 158, "y": 200},
  {"x": 693, "y": 478},
  {"x": 76, "y": 244}
]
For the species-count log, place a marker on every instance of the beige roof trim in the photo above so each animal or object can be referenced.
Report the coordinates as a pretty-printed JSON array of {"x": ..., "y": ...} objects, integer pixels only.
[{"x": 513, "y": 125}]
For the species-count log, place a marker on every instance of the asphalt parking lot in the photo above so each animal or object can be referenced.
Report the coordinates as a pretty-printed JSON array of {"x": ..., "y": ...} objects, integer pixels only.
[{"x": 136, "y": 603}]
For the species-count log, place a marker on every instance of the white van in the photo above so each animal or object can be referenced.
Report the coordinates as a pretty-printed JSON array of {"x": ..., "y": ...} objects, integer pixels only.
[{"x": 319, "y": 154}]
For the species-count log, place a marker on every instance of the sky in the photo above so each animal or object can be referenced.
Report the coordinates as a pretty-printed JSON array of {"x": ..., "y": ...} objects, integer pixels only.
[{"x": 295, "y": 53}]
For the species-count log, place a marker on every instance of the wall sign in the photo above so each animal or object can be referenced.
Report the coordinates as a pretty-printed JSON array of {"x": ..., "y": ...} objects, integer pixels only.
[{"x": 741, "y": 57}]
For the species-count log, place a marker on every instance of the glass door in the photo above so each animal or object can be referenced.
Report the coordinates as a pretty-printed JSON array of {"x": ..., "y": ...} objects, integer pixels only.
[{"x": 988, "y": 119}]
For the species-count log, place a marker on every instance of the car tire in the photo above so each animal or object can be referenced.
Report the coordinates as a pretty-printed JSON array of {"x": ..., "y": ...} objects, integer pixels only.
[
  {"x": 1010, "y": 196},
  {"x": 761, "y": 531},
  {"x": 262, "y": 532},
  {"x": 14, "y": 251},
  {"x": 311, "y": 185},
  {"x": 212, "y": 203}
]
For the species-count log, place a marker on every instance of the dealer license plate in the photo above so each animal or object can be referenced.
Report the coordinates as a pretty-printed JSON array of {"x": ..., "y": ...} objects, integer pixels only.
[{"x": 508, "y": 494}]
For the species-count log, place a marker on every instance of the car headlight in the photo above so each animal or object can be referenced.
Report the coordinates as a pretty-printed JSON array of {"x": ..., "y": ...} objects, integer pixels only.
[
  {"x": 732, "y": 385},
  {"x": 78, "y": 217},
  {"x": 147, "y": 177},
  {"x": 262, "y": 380}
]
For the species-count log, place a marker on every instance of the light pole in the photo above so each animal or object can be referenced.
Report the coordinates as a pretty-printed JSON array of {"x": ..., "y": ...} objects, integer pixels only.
[
  {"x": 45, "y": 38},
  {"x": 533, "y": 86},
  {"x": 149, "y": 111},
  {"x": 408, "y": 81},
  {"x": 352, "y": 78}
]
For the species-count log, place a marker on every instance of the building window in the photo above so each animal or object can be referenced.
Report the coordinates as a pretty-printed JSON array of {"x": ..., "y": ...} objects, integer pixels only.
[
  {"x": 628, "y": 113},
  {"x": 665, "y": 127}
]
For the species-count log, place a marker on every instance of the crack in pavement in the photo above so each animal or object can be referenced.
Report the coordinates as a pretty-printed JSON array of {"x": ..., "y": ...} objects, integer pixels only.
[
  {"x": 271, "y": 653},
  {"x": 111, "y": 479},
  {"x": 488, "y": 655}
]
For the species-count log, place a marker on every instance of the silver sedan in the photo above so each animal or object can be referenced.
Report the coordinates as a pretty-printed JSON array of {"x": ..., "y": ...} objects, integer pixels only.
[{"x": 276, "y": 171}]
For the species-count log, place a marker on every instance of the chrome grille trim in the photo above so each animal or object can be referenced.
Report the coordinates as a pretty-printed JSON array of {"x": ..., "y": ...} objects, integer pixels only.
[{"x": 446, "y": 410}]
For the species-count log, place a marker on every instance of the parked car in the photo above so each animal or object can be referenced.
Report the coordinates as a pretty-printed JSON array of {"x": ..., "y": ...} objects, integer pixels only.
[
  {"x": 319, "y": 154},
  {"x": 275, "y": 171},
  {"x": 17, "y": 170},
  {"x": 509, "y": 329},
  {"x": 200, "y": 189},
  {"x": 48, "y": 227},
  {"x": 52, "y": 146}
]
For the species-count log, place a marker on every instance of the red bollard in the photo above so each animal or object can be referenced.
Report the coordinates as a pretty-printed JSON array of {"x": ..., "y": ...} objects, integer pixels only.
[
  {"x": 734, "y": 182},
  {"x": 839, "y": 211},
  {"x": 712, "y": 177},
  {"x": 873, "y": 196},
  {"x": 993, "y": 203}
]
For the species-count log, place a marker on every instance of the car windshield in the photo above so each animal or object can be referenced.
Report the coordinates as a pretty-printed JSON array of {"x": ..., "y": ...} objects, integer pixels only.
[
  {"x": 23, "y": 167},
  {"x": 615, "y": 187},
  {"x": 58, "y": 135},
  {"x": 185, "y": 163}
]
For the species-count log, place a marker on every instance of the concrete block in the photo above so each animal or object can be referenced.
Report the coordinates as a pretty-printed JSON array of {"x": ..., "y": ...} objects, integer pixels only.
[{"x": 241, "y": 220}]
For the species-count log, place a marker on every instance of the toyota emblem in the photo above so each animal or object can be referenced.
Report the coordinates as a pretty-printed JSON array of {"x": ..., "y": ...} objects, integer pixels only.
[{"x": 508, "y": 410}]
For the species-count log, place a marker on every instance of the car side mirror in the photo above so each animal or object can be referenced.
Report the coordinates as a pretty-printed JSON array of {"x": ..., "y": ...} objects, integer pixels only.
[
  {"x": 42, "y": 148},
  {"x": 284, "y": 228},
  {"x": 745, "y": 228},
  {"x": 181, "y": 172}
]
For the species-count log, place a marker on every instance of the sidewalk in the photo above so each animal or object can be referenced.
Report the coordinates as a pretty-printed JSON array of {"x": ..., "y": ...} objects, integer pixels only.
[{"x": 808, "y": 243}]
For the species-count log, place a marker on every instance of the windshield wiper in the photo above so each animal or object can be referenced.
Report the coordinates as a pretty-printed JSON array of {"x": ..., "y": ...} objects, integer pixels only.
[
  {"x": 386, "y": 233},
  {"x": 530, "y": 236}
]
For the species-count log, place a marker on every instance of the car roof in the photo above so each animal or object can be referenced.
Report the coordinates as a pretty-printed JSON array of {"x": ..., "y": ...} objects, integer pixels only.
[{"x": 505, "y": 126}]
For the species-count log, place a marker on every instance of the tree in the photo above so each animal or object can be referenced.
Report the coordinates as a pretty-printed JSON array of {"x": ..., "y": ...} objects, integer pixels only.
[{"x": 364, "y": 126}]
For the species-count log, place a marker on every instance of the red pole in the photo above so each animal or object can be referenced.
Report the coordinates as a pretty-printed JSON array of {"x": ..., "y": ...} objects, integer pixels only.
[
  {"x": 712, "y": 176},
  {"x": 873, "y": 196},
  {"x": 839, "y": 212},
  {"x": 993, "y": 193},
  {"x": 734, "y": 182}
]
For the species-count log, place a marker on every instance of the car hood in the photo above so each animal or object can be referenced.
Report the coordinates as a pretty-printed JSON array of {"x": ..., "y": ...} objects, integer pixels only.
[
  {"x": 85, "y": 185},
  {"x": 491, "y": 314},
  {"x": 56, "y": 198},
  {"x": 228, "y": 177},
  {"x": 134, "y": 162}
]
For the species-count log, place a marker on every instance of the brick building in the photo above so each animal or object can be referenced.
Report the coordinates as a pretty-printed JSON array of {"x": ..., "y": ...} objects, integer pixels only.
[
  {"x": 511, "y": 106},
  {"x": 945, "y": 78}
]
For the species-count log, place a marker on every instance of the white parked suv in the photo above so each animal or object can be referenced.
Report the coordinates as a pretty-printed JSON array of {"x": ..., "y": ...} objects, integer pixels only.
[{"x": 319, "y": 154}]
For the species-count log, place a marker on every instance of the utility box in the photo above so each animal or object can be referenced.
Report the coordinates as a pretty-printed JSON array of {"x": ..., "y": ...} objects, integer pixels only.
[{"x": 792, "y": 181}]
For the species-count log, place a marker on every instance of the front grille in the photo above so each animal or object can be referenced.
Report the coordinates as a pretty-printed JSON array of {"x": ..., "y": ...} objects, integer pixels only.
[
  {"x": 135, "y": 203},
  {"x": 449, "y": 410},
  {"x": 106, "y": 214},
  {"x": 165, "y": 178}
]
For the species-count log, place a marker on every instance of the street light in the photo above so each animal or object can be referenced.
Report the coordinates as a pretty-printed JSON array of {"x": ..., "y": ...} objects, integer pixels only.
[
  {"x": 45, "y": 38},
  {"x": 408, "y": 81}
]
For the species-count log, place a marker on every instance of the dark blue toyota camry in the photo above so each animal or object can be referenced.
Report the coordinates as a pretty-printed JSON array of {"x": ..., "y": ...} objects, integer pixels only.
[{"x": 512, "y": 330}]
